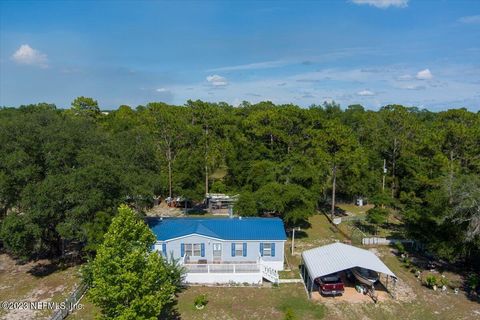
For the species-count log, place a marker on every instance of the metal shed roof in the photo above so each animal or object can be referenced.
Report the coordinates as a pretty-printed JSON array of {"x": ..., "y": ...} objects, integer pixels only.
[
  {"x": 220, "y": 228},
  {"x": 337, "y": 257}
]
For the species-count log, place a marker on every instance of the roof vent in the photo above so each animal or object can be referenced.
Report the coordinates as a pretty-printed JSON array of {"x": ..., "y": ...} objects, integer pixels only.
[{"x": 240, "y": 218}]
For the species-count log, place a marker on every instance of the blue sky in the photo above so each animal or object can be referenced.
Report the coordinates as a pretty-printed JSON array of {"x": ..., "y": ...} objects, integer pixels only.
[{"x": 373, "y": 52}]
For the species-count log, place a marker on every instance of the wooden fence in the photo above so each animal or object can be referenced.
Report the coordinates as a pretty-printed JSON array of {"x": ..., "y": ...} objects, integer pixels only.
[{"x": 70, "y": 303}]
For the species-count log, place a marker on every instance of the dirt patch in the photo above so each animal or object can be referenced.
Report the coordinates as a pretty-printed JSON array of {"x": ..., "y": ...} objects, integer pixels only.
[
  {"x": 19, "y": 284},
  {"x": 162, "y": 210}
]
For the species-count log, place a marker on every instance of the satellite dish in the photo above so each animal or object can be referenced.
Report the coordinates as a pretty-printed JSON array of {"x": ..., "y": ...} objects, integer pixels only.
[{"x": 337, "y": 221}]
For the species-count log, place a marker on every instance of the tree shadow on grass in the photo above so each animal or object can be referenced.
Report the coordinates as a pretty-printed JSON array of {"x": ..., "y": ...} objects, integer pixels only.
[
  {"x": 364, "y": 227},
  {"x": 170, "y": 312},
  {"x": 44, "y": 269},
  {"x": 300, "y": 234},
  {"x": 327, "y": 208}
]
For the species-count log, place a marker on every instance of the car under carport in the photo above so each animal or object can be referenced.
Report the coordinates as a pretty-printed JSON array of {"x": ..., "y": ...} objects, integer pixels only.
[{"x": 338, "y": 257}]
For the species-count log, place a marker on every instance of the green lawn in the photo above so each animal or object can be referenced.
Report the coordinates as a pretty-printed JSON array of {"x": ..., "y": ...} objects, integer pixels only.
[
  {"x": 355, "y": 210},
  {"x": 249, "y": 303}
]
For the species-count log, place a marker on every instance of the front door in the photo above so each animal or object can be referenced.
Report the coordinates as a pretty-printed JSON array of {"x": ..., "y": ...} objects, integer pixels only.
[{"x": 217, "y": 252}]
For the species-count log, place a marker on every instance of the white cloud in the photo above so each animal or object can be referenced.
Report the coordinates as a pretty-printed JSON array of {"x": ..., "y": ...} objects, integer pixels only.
[
  {"x": 29, "y": 56},
  {"x": 424, "y": 75},
  {"x": 412, "y": 87},
  {"x": 470, "y": 19},
  {"x": 365, "y": 93},
  {"x": 383, "y": 4},
  {"x": 217, "y": 81},
  {"x": 405, "y": 77},
  {"x": 161, "y": 90},
  {"x": 252, "y": 66}
]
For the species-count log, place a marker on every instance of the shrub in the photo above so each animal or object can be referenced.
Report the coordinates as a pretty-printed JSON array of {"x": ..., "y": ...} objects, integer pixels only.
[
  {"x": 201, "y": 300},
  {"x": 407, "y": 263},
  {"x": 473, "y": 281},
  {"x": 443, "y": 281},
  {"x": 400, "y": 247},
  {"x": 289, "y": 315},
  {"x": 431, "y": 280}
]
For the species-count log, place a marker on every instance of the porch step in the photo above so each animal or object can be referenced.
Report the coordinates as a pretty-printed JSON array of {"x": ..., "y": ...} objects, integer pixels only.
[{"x": 270, "y": 274}]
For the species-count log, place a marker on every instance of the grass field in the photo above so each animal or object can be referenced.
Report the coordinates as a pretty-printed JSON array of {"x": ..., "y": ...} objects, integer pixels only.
[
  {"x": 414, "y": 301},
  {"x": 249, "y": 303}
]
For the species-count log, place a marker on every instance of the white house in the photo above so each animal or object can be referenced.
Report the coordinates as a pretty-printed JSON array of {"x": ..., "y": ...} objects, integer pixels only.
[{"x": 223, "y": 250}]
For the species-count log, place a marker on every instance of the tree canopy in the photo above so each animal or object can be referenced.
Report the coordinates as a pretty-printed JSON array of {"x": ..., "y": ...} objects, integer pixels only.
[
  {"x": 63, "y": 173},
  {"x": 127, "y": 279}
]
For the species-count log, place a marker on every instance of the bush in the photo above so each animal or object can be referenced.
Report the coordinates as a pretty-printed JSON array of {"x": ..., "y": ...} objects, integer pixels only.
[
  {"x": 407, "y": 263},
  {"x": 444, "y": 281},
  {"x": 400, "y": 247},
  {"x": 201, "y": 300},
  {"x": 473, "y": 281},
  {"x": 289, "y": 314},
  {"x": 431, "y": 280}
]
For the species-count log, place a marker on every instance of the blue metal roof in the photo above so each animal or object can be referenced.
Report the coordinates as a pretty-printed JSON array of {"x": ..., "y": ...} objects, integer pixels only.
[{"x": 220, "y": 228}]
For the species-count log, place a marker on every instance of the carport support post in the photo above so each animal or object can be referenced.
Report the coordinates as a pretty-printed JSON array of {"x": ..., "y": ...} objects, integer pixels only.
[
  {"x": 311, "y": 287},
  {"x": 304, "y": 270}
]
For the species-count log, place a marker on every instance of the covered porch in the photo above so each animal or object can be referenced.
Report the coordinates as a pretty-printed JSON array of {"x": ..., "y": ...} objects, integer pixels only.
[{"x": 251, "y": 272}]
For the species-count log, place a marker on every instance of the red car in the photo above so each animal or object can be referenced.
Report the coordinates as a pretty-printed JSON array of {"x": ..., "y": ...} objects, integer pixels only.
[{"x": 331, "y": 284}]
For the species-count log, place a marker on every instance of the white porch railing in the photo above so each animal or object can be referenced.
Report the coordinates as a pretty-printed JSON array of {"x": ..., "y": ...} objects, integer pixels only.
[
  {"x": 223, "y": 268},
  {"x": 269, "y": 273}
]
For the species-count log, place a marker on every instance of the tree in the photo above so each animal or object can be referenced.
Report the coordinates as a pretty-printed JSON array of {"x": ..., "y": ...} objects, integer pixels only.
[
  {"x": 466, "y": 207},
  {"x": 172, "y": 132},
  {"x": 292, "y": 202},
  {"x": 85, "y": 106},
  {"x": 377, "y": 216},
  {"x": 340, "y": 146},
  {"x": 246, "y": 204},
  {"x": 19, "y": 236},
  {"x": 128, "y": 280},
  {"x": 214, "y": 121},
  {"x": 398, "y": 128}
]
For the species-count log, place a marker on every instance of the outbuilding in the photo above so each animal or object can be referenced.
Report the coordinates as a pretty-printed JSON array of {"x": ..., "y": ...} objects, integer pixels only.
[{"x": 338, "y": 257}]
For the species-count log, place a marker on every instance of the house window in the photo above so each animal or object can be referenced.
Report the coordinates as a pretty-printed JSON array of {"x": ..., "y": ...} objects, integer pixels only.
[
  {"x": 196, "y": 250},
  {"x": 193, "y": 249},
  {"x": 217, "y": 250},
  {"x": 238, "y": 249},
  {"x": 267, "y": 249}
]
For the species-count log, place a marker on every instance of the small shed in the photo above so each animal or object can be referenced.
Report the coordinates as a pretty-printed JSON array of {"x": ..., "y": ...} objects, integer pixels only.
[
  {"x": 337, "y": 257},
  {"x": 216, "y": 202}
]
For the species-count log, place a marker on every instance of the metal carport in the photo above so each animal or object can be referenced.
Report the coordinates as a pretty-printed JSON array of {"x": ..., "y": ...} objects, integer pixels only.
[{"x": 337, "y": 257}]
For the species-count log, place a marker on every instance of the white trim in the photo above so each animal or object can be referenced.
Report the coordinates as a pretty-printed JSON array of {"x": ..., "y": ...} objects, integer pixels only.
[
  {"x": 275, "y": 264},
  {"x": 224, "y": 278}
]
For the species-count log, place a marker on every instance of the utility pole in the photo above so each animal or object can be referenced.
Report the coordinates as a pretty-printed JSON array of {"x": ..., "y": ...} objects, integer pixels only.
[
  {"x": 334, "y": 173},
  {"x": 384, "y": 173}
]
